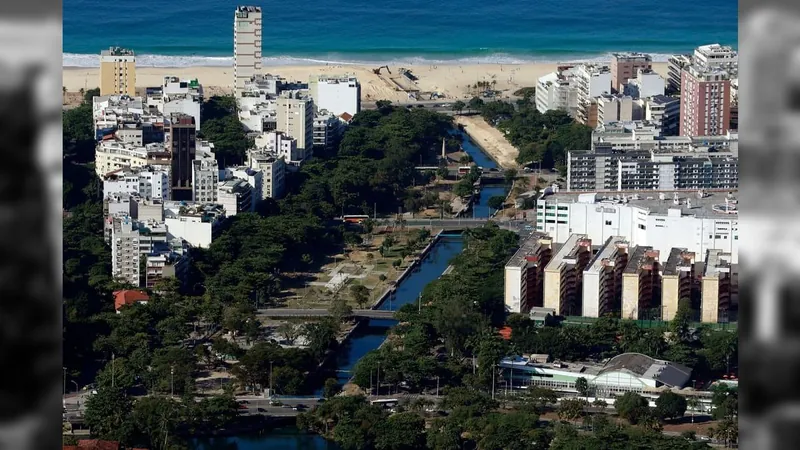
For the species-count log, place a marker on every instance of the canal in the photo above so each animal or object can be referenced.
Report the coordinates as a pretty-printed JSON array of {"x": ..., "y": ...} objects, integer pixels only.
[
  {"x": 370, "y": 336},
  {"x": 481, "y": 208}
]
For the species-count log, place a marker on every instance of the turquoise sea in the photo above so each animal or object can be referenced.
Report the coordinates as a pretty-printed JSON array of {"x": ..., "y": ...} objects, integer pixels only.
[{"x": 178, "y": 33}]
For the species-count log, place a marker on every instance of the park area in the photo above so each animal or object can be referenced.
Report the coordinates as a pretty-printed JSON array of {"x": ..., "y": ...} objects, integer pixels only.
[{"x": 369, "y": 265}]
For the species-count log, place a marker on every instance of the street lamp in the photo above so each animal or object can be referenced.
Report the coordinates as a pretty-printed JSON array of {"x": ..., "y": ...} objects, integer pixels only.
[
  {"x": 172, "y": 381},
  {"x": 64, "y": 386}
]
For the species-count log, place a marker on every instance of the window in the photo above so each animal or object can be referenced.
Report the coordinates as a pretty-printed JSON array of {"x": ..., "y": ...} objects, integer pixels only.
[
  {"x": 608, "y": 222},
  {"x": 642, "y": 227}
]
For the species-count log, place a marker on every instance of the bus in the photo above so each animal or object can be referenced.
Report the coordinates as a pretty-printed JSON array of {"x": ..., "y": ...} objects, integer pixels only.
[
  {"x": 463, "y": 170},
  {"x": 355, "y": 218}
]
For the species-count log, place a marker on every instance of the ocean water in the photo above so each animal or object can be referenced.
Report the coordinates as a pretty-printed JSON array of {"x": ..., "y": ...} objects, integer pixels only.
[{"x": 200, "y": 32}]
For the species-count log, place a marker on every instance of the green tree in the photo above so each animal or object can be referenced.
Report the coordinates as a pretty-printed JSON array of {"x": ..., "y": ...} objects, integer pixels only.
[
  {"x": 582, "y": 386},
  {"x": 475, "y": 104},
  {"x": 679, "y": 326},
  {"x": 360, "y": 294},
  {"x": 670, "y": 405},
  {"x": 458, "y": 106},
  {"x": 572, "y": 408},
  {"x": 509, "y": 176},
  {"x": 108, "y": 414},
  {"x": 331, "y": 388},
  {"x": 496, "y": 202},
  {"x": 289, "y": 331},
  {"x": 600, "y": 403},
  {"x": 401, "y": 431},
  {"x": 632, "y": 407}
]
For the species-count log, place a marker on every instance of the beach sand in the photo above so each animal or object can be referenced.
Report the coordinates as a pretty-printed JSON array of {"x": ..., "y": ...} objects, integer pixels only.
[
  {"x": 452, "y": 81},
  {"x": 490, "y": 139}
]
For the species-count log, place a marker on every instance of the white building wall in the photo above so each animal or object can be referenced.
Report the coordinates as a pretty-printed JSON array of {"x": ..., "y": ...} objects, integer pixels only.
[
  {"x": 190, "y": 229},
  {"x": 246, "y": 45},
  {"x": 336, "y": 94},
  {"x": 183, "y": 105},
  {"x": 662, "y": 232},
  {"x": 513, "y": 287},
  {"x": 591, "y": 293}
]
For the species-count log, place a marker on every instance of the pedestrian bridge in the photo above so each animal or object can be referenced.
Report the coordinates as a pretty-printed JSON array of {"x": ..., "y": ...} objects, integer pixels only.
[{"x": 365, "y": 313}]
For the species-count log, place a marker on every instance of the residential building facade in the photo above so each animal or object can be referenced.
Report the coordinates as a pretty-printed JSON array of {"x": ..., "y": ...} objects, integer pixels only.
[
  {"x": 625, "y": 65},
  {"x": 117, "y": 72},
  {"x": 246, "y": 45},
  {"x": 336, "y": 93}
]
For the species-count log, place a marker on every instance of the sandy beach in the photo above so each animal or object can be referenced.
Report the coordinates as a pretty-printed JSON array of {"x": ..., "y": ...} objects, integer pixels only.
[{"x": 451, "y": 81}]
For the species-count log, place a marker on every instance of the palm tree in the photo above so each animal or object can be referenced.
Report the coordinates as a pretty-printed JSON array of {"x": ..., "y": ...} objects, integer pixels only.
[{"x": 64, "y": 94}]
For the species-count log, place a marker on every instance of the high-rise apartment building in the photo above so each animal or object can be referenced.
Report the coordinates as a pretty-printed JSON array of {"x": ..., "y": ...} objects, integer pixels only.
[
  {"x": 678, "y": 281},
  {"x": 274, "y": 169},
  {"x": 117, "y": 72},
  {"x": 705, "y": 102},
  {"x": 182, "y": 146},
  {"x": 295, "y": 117},
  {"x": 524, "y": 274},
  {"x": 641, "y": 285},
  {"x": 625, "y": 65},
  {"x": 716, "y": 284},
  {"x": 602, "y": 279},
  {"x": 675, "y": 66},
  {"x": 563, "y": 276},
  {"x": 246, "y": 45}
]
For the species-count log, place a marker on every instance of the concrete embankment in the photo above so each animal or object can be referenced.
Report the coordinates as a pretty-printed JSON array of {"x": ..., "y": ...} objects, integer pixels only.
[{"x": 491, "y": 140}]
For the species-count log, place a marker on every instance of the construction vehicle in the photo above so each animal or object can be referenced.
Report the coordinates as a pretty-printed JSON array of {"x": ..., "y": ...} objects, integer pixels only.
[{"x": 378, "y": 70}]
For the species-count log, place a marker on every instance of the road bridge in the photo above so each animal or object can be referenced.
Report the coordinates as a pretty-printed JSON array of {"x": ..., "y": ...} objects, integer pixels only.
[{"x": 465, "y": 223}]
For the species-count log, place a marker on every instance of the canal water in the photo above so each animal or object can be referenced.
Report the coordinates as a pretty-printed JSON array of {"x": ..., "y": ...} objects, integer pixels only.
[
  {"x": 370, "y": 336},
  {"x": 481, "y": 208}
]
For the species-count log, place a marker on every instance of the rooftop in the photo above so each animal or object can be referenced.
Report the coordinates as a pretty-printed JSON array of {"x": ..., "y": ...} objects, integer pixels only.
[
  {"x": 128, "y": 297},
  {"x": 533, "y": 362},
  {"x": 116, "y": 51},
  {"x": 528, "y": 248},
  {"x": 607, "y": 253},
  {"x": 642, "y": 258},
  {"x": 665, "y": 372},
  {"x": 679, "y": 260},
  {"x": 248, "y": 8},
  {"x": 712, "y": 203},
  {"x": 632, "y": 55},
  {"x": 717, "y": 263},
  {"x": 568, "y": 252}
]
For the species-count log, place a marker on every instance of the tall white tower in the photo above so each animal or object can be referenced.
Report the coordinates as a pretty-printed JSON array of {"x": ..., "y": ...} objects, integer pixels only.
[{"x": 246, "y": 45}]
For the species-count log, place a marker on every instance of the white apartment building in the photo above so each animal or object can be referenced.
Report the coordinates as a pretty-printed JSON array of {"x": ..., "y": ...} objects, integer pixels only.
[
  {"x": 571, "y": 88},
  {"x": 177, "y": 96},
  {"x": 609, "y": 108},
  {"x": 717, "y": 57},
  {"x": 664, "y": 113},
  {"x": 130, "y": 241},
  {"x": 675, "y": 65},
  {"x": 642, "y": 135},
  {"x": 195, "y": 223},
  {"x": 553, "y": 92},
  {"x": 661, "y": 220},
  {"x": 253, "y": 176},
  {"x": 647, "y": 83},
  {"x": 246, "y": 45},
  {"x": 150, "y": 182},
  {"x": 110, "y": 156},
  {"x": 295, "y": 117},
  {"x": 327, "y": 127},
  {"x": 260, "y": 116},
  {"x": 236, "y": 196},
  {"x": 205, "y": 180},
  {"x": 282, "y": 146},
  {"x": 336, "y": 93},
  {"x": 273, "y": 169},
  {"x": 589, "y": 81}
]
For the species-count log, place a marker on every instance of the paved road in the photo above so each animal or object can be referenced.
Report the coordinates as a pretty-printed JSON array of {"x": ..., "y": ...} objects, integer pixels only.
[{"x": 285, "y": 312}]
